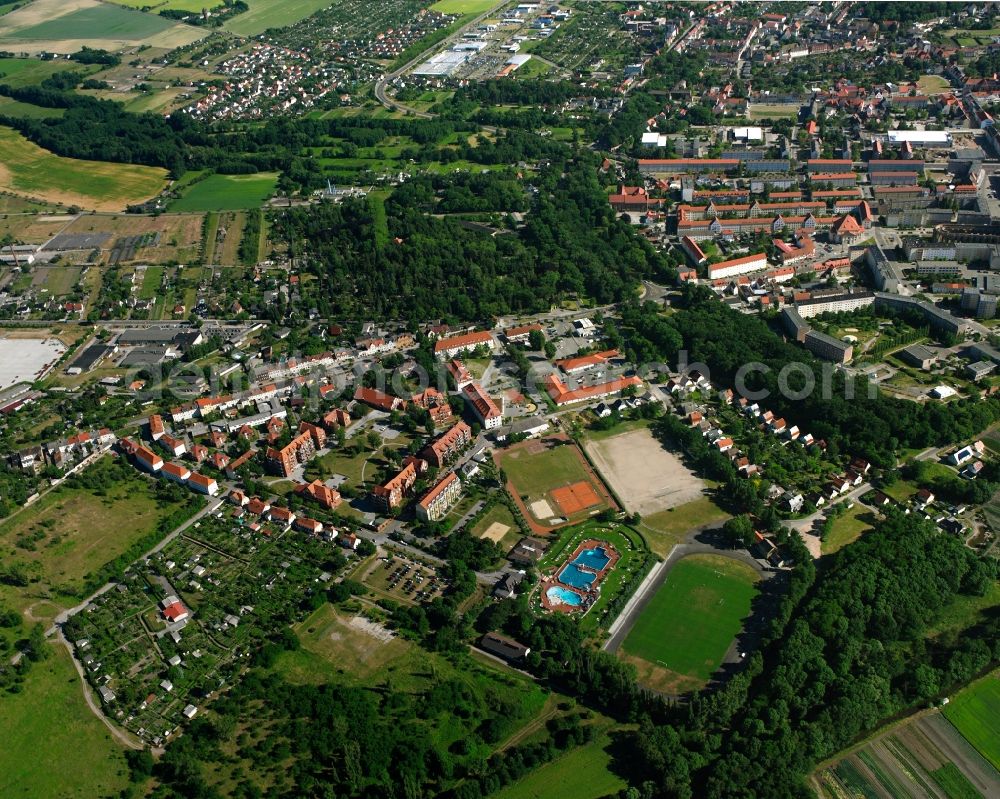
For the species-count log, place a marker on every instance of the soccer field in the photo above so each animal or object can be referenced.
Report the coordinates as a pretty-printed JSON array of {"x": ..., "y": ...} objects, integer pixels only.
[
  {"x": 227, "y": 193},
  {"x": 694, "y": 616},
  {"x": 975, "y": 712}
]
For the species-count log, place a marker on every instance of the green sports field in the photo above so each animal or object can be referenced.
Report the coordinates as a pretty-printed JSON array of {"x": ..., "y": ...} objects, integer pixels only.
[
  {"x": 227, "y": 193},
  {"x": 693, "y": 618},
  {"x": 975, "y": 712},
  {"x": 97, "y": 22}
]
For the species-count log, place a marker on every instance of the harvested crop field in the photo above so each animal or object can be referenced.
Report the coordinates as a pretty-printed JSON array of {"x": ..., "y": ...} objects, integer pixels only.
[
  {"x": 645, "y": 476},
  {"x": 923, "y": 758}
]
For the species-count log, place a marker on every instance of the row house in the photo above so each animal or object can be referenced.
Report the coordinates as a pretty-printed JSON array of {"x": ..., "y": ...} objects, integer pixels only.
[{"x": 455, "y": 345}]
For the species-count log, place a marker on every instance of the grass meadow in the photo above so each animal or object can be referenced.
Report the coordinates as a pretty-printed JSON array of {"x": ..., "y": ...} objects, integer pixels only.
[
  {"x": 227, "y": 193},
  {"x": 975, "y": 712}
]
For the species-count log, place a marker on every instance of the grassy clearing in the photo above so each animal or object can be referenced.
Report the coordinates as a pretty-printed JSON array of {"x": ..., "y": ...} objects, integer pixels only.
[
  {"x": 848, "y": 528},
  {"x": 227, "y": 193},
  {"x": 694, "y": 617},
  {"x": 582, "y": 773},
  {"x": 53, "y": 745},
  {"x": 28, "y": 169},
  {"x": 152, "y": 279},
  {"x": 18, "y": 110},
  {"x": 932, "y": 84},
  {"x": 535, "y": 474},
  {"x": 264, "y": 14},
  {"x": 975, "y": 712},
  {"x": 71, "y": 532},
  {"x": 18, "y": 72},
  {"x": 498, "y": 514}
]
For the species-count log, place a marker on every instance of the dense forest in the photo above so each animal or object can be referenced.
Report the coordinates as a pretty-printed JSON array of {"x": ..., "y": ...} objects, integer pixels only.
[
  {"x": 847, "y": 417},
  {"x": 570, "y": 245}
]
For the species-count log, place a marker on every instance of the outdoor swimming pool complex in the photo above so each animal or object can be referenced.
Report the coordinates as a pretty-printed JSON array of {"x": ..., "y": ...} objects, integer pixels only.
[
  {"x": 563, "y": 596},
  {"x": 576, "y": 577},
  {"x": 596, "y": 558}
]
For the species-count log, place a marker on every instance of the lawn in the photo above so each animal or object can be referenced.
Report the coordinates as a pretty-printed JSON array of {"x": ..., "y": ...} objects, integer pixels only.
[
  {"x": 152, "y": 279},
  {"x": 28, "y": 169},
  {"x": 847, "y": 528},
  {"x": 100, "y": 21},
  {"x": 693, "y": 618},
  {"x": 61, "y": 280},
  {"x": 581, "y": 773},
  {"x": 227, "y": 193},
  {"x": 498, "y": 514},
  {"x": 975, "y": 712},
  {"x": 53, "y": 745},
  {"x": 264, "y": 14},
  {"x": 665, "y": 529}
]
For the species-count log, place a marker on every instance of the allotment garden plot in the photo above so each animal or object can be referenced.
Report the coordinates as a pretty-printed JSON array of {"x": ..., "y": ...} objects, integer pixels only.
[
  {"x": 683, "y": 634},
  {"x": 645, "y": 476},
  {"x": 552, "y": 483}
]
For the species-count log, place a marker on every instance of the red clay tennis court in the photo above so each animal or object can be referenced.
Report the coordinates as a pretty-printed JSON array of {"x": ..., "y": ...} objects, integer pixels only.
[{"x": 575, "y": 497}]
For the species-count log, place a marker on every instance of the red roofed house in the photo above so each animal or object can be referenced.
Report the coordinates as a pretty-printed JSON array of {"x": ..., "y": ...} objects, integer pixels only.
[
  {"x": 448, "y": 445},
  {"x": 390, "y": 494},
  {"x": 847, "y": 230},
  {"x": 378, "y": 399},
  {"x": 337, "y": 418},
  {"x": 258, "y": 506},
  {"x": 174, "y": 610},
  {"x": 561, "y": 395},
  {"x": 572, "y": 365},
  {"x": 148, "y": 460},
  {"x": 454, "y": 345},
  {"x": 282, "y": 516},
  {"x": 220, "y": 460},
  {"x": 483, "y": 406},
  {"x": 174, "y": 446},
  {"x": 175, "y": 472},
  {"x": 156, "y": 429},
  {"x": 309, "y": 525},
  {"x": 329, "y": 498},
  {"x": 203, "y": 485}
]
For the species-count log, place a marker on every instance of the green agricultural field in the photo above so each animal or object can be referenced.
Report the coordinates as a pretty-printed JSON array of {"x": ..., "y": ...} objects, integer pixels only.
[
  {"x": 581, "y": 773},
  {"x": 156, "y": 6},
  {"x": 53, "y": 745},
  {"x": 693, "y": 618},
  {"x": 975, "y": 712},
  {"x": 227, "y": 193},
  {"x": 472, "y": 7},
  {"x": 264, "y": 14},
  {"x": 103, "y": 21},
  {"x": 18, "y": 72},
  {"x": 30, "y": 170}
]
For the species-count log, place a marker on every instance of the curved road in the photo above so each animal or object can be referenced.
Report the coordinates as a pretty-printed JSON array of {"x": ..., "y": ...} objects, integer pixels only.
[{"x": 393, "y": 104}]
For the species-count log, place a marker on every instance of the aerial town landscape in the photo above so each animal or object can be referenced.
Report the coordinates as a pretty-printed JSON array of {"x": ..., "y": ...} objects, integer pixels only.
[{"x": 480, "y": 398}]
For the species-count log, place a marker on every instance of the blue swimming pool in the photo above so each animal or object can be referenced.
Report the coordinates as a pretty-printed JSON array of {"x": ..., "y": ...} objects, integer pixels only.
[
  {"x": 563, "y": 596},
  {"x": 572, "y": 575},
  {"x": 595, "y": 558}
]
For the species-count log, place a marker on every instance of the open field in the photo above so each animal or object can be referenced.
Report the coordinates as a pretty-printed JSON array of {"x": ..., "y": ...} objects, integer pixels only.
[
  {"x": 684, "y": 632},
  {"x": 355, "y": 646},
  {"x": 64, "y": 26},
  {"x": 264, "y": 14},
  {"x": 18, "y": 110},
  {"x": 71, "y": 532},
  {"x": 923, "y": 757},
  {"x": 536, "y": 468},
  {"x": 645, "y": 476},
  {"x": 581, "y": 773},
  {"x": 29, "y": 170},
  {"x": 227, "y": 193},
  {"x": 848, "y": 528},
  {"x": 933, "y": 84},
  {"x": 156, "y": 6},
  {"x": 53, "y": 745},
  {"x": 463, "y": 6},
  {"x": 975, "y": 712},
  {"x": 764, "y": 111},
  {"x": 18, "y": 72}
]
